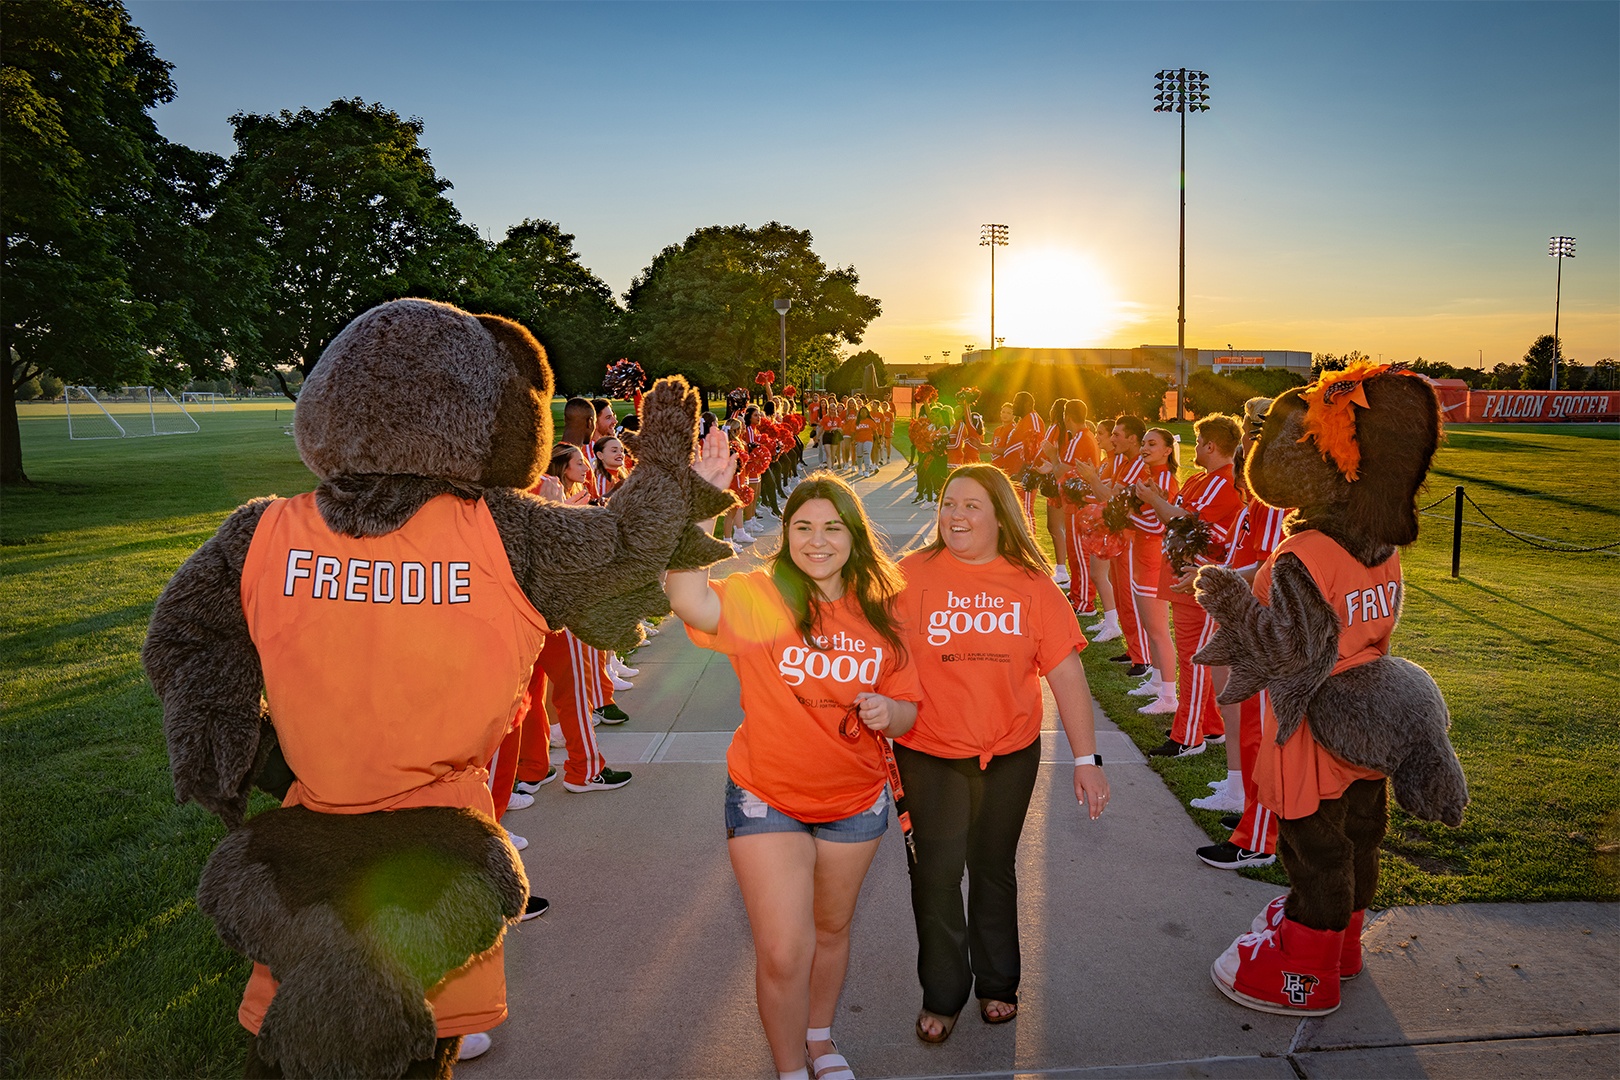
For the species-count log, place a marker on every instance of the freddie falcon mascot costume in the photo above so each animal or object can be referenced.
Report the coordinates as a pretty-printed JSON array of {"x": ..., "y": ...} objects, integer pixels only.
[
  {"x": 1339, "y": 713},
  {"x": 360, "y": 651}
]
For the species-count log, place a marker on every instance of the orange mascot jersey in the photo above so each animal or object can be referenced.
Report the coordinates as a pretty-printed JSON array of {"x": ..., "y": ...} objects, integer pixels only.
[
  {"x": 1294, "y": 778},
  {"x": 393, "y": 665}
]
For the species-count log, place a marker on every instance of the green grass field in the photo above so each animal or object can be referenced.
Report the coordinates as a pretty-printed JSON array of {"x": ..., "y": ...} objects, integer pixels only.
[{"x": 111, "y": 971}]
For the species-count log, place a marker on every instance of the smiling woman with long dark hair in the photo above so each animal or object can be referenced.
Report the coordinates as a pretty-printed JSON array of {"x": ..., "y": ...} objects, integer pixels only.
[
  {"x": 984, "y": 624},
  {"x": 825, "y": 678}
]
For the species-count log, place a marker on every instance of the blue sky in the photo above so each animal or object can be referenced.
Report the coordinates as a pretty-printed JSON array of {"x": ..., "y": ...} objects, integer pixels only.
[{"x": 1371, "y": 176}]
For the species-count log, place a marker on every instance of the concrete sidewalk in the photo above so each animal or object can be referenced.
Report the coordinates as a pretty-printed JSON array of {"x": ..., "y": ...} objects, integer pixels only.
[{"x": 644, "y": 965}]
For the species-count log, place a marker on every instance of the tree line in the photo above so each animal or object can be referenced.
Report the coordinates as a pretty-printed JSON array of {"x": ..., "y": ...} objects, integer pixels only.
[
  {"x": 130, "y": 259},
  {"x": 1534, "y": 372}
]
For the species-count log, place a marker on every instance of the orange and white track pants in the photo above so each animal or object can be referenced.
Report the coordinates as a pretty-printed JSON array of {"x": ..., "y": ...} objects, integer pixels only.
[
  {"x": 1258, "y": 829},
  {"x": 525, "y": 753},
  {"x": 574, "y": 669},
  {"x": 1197, "y": 715},
  {"x": 1079, "y": 561},
  {"x": 1120, "y": 572}
]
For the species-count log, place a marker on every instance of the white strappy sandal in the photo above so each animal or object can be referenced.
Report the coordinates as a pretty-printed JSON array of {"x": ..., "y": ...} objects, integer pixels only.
[{"x": 831, "y": 1066}]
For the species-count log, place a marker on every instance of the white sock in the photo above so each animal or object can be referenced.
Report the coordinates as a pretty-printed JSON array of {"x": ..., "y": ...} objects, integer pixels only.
[
  {"x": 1234, "y": 780},
  {"x": 796, "y": 1074}
]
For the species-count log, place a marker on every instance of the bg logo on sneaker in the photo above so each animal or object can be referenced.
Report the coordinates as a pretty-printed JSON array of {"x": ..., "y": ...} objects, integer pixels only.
[{"x": 1299, "y": 988}]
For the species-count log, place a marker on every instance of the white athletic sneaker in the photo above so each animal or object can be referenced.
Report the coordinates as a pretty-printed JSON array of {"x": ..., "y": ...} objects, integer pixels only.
[
  {"x": 517, "y": 841},
  {"x": 622, "y": 669},
  {"x": 475, "y": 1045},
  {"x": 1161, "y": 705},
  {"x": 648, "y": 628},
  {"x": 1223, "y": 801},
  {"x": 1151, "y": 688},
  {"x": 1060, "y": 576},
  {"x": 738, "y": 536},
  {"x": 1109, "y": 628},
  {"x": 519, "y": 800},
  {"x": 618, "y": 683}
]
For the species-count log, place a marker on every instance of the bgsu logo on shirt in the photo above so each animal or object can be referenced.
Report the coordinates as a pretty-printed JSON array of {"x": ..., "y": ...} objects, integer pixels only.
[
  {"x": 838, "y": 658},
  {"x": 979, "y": 613}
]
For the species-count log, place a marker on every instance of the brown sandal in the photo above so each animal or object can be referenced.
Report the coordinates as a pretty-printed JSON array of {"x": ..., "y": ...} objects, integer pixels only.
[
  {"x": 984, "y": 1011},
  {"x": 947, "y": 1024}
]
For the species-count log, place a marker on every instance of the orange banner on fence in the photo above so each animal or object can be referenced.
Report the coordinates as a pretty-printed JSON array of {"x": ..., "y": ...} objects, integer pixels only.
[
  {"x": 1540, "y": 406},
  {"x": 900, "y": 398}
]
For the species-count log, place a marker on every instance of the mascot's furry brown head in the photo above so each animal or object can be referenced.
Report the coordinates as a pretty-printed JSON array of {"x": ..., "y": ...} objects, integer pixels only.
[
  {"x": 363, "y": 909},
  {"x": 1350, "y": 453}
]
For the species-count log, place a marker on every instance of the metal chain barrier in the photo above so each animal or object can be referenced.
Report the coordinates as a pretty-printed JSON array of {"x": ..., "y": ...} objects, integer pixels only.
[{"x": 1527, "y": 540}]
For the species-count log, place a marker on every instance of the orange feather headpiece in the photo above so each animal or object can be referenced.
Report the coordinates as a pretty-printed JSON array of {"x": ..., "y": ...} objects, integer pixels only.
[{"x": 1330, "y": 413}]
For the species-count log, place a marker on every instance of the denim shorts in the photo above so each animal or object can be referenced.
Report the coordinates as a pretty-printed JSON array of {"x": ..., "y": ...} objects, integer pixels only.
[{"x": 747, "y": 815}]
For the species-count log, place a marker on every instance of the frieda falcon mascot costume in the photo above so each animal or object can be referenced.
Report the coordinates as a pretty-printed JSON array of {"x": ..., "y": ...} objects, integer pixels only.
[{"x": 1339, "y": 713}]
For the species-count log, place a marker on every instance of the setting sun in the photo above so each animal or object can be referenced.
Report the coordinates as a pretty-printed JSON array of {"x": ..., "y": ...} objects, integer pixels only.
[{"x": 1049, "y": 298}]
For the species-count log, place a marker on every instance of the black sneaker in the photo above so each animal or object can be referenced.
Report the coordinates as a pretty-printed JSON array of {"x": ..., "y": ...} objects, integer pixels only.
[
  {"x": 1171, "y": 748},
  {"x": 536, "y": 907},
  {"x": 1228, "y": 856},
  {"x": 1122, "y": 658},
  {"x": 1231, "y": 821},
  {"x": 610, "y": 714},
  {"x": 1215, "y": 740},
  {"x": 606, "y": 780},
  {"x": 529, "y": 787},
  {"x": 1136, "y": 671}
]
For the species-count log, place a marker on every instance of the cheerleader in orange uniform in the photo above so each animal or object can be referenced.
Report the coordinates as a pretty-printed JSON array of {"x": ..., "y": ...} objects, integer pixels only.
[{"x": 1147, "y": 552}]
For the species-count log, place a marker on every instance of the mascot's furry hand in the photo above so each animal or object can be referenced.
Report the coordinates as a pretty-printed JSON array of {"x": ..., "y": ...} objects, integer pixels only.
[
  {"x": 1287, "y": 648},
  {"x": 1410, "y": 747},
  {"x": 359, "y": 916},
  {"x": 595, "y": 569}
]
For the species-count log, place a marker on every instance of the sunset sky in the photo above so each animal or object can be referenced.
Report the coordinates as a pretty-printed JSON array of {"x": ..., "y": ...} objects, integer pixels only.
[{"x": 1370, "y": 176}]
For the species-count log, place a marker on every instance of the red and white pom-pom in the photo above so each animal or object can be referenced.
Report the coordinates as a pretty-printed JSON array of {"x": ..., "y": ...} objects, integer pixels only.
[{"x": 789, "y": 391}]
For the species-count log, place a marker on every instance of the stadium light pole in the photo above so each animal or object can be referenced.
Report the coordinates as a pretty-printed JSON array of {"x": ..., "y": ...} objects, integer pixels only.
[
  {"x": 782, "y": 310},
  {"x": 992, "y": 237},
  {"x": 1559, "y": 248},
  {"x": 1181, "y": 90}
]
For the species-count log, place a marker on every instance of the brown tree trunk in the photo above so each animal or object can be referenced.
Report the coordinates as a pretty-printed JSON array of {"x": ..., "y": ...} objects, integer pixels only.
[{"x": 11, "y": 467}]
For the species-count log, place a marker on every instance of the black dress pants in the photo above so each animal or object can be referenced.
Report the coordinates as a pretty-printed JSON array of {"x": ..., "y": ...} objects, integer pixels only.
[{"x": 964, "y": 816}]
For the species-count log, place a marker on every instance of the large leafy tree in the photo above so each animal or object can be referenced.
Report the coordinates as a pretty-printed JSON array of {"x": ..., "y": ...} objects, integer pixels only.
[
  {"x": 704, "y": 306},
  {"x": 572, "y": 311},
  {"x": 1538, "y": 364},
  {"x": 336, "y": 211},
  {"x": 107, "y": 264}
]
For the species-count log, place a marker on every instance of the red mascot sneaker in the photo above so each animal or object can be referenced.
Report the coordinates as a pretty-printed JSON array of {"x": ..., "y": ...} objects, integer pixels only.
[
  {"x": 1350, "y": 958},
  {"x": 1288, "y": 969}
]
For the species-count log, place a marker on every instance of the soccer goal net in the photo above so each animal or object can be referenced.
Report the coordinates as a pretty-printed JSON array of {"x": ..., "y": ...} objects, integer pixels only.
[
  {"x": 127, "y": 412},
  {"x": 203, "y": 398}
]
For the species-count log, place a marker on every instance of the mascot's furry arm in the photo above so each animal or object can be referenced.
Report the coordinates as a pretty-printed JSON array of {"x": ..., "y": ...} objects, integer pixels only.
[
  {"x": 595, "y": 570},
  {"x": 1288, "y": 648},
  {"x": 205, "y": 670}
]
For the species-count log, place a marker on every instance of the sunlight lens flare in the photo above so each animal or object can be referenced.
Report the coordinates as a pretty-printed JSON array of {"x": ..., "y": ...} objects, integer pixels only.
[{"x": 1050, "y": 298}]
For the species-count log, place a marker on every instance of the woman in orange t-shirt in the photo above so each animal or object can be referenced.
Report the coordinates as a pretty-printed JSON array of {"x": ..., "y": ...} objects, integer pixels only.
[
  {"x": 984, "y": 624},
  {"x": 825, "y": 678}
]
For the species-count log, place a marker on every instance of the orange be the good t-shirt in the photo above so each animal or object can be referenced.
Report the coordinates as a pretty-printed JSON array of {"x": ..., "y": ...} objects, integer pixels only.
[
  {"x": 864, "y": 430},
  {"x": 795, "y": 696},
  {"x": 1294, "y": 778},
  {"x": 393, "y": 665},
  {"x": 982, "y": 636}
]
